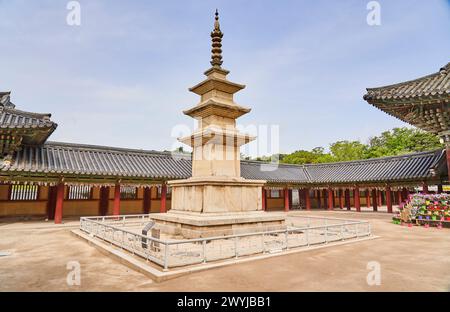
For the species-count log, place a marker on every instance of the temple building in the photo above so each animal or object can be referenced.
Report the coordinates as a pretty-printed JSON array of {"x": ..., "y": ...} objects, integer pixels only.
[
  {"x": 423, "y": 103},
  {"x": 56, "y": 180}
]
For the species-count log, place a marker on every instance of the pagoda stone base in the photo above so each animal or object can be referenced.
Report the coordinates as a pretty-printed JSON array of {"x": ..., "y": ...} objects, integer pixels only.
[
  {"x": 200, "y": 225},
  {"x": 217, "y": 206}
]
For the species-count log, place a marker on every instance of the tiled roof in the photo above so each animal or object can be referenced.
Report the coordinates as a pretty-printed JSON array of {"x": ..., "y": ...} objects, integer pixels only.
[
  {"x": 86, "y": 160},
  {"x": 436, "y": 85},
  {"x": 22, "y": 122},
  {"x": 395, "y": 168},
  {"x": 14, "y": 118}
]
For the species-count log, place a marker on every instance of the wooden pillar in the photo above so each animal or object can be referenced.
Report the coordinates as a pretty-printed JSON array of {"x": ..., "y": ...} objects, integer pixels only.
[
  {"x": 103, "y": 201},
  {"x": 399, "y": 197},
  {"x": 347, "y": 199},
  {"x": 116, "y": 205},
  {"x": 324, "y": 197},
  {"x": 447, "y": 151},
  {"x": 341, "y": 202},
  {"x": 59, "y": 203},
  {"x": 319, "y": 201},
  {"x": 368, "y": 198},
  {"x": 51, "y": 202},
  {"x": 374, "y": 199},
  {"x": 264, "y": 199},
  {"x": 290, "y": 199},
  {"x": 147, "y": 202},
  {"x": 357, "y": 200},
  {"x": 163, "y": 207},
  {"x": 388, "y": 199},
  {"x": 424, "y": 187},
  {"x": 286, "y": 199},
  {"x": 307, "y": 199},
  {"x": 330, "y": 198},
  {"x": 380, "y": 201}
]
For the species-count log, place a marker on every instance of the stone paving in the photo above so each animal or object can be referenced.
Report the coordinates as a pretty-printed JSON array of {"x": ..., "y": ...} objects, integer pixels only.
[{"x": 411, "y": 259}]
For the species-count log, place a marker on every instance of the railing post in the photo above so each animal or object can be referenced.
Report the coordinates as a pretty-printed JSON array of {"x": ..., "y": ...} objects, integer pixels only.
[
  {"x": 356, "y": 230},
  {"x": 204, "y": 251}
]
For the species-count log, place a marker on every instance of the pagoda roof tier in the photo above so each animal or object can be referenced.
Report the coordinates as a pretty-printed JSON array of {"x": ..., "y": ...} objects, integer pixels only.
[
  {"x": 215, "y": 107},
  {"x": 78, "y": 161},
  {"x": 423, "y": 102},
  {"x": 217, "y": 135},
  {"x": 215, "y": 83}
]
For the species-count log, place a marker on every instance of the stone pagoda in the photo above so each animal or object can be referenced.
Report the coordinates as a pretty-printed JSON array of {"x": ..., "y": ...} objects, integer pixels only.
[{"x": 216, "y": 200}]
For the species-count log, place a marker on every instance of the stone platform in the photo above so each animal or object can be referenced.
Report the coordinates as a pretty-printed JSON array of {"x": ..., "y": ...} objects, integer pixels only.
[{"x": 197, "y": 225}]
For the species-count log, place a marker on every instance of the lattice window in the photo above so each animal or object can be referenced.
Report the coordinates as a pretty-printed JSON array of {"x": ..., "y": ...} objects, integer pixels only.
[
  {"x": 128, "y": 192},
  {"x": 24, "y": 192},
  {"x": 168, "y": 192},
  {"x": 275, "y": 194},
  {"x": 80, "y": 192}
]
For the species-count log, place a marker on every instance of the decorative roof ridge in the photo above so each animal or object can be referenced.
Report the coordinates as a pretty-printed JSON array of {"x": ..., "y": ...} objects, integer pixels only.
[
  {"x": 446, "y": 69},
  {"x": 112, "y": 149}
]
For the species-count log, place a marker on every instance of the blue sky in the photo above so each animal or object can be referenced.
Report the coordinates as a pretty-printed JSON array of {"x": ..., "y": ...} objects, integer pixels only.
[{"x": 121, "y": 78}]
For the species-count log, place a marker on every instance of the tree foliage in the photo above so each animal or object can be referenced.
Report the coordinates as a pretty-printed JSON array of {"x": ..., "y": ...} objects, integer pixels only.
[{"x": 389, "y": 143}]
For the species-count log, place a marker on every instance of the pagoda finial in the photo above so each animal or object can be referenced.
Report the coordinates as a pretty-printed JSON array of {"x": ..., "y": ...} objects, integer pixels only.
[{"x": 216, "y": 36}]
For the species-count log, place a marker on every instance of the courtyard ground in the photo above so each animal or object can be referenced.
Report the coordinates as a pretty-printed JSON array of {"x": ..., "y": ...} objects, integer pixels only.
[{"x": 411, "y": 259}]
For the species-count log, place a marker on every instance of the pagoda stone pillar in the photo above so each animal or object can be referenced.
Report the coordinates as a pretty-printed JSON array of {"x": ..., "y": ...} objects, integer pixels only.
[{"x": 216, "y": 200}]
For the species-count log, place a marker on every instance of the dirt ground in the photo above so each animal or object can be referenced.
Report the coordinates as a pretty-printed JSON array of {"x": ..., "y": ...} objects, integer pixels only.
[{"x": 411, "y": 259}]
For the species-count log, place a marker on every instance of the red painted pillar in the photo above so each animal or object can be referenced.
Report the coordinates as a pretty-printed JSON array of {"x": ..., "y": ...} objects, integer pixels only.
[
  {"x": 447, "y": 151},
  {"x": 104, "y": 200},
  {"x": 357, "y": 200},
  {"x": 307, "y": 199},
  {"x": 286, "y": 199},
  {"x": 347, "y": 199},
  {"x": 424, "y": 187},
  {"x": 51, "y": 202},
  {"x": 59, "y": 203},
  {"x": 388, "y": 199},
  {"x": 319, "y": 201},
  {"x": 368, "y": 198},
  {"x": 330, "y": 198},
  {"x": 374, "y": 200},
  {"x": 116, "y": 205},
  {"x": 264, "y": 205},
  {"x": 341, "y": 202},
  {"x": 147, "y": 199},
  {"x": 163, "y": 207}
]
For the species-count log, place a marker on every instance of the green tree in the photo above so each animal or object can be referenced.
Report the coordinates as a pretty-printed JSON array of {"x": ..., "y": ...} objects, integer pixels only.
[
  {"x": 402, "y": 141},
  {"x": 394, "y": 142},
  {"x": 348, "y": 150}
]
